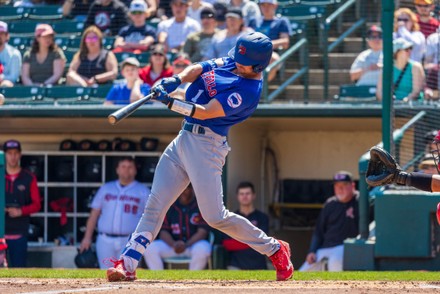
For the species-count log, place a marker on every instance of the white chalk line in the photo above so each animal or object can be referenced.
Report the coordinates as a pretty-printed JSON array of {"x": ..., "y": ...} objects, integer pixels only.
[{"x": 76, "y": 290}]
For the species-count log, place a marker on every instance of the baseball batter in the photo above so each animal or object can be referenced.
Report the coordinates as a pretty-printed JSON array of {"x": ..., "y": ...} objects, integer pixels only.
[
  {"x": 117, "y": 208},
  {"x": 223, "y": 92}
]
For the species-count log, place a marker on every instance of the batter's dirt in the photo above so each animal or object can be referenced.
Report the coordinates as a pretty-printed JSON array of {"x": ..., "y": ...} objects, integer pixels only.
[{"x": 53, "y": 286}]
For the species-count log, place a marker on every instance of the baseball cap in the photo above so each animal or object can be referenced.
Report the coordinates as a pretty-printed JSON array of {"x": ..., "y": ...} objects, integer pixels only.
[
  {"x": 268, "y": 1},
  {"x": 44, "y": 30},
  {"x": 423, "y": 2},
  {"x": 11, "y": 144},
  {"x": 343, "y": 176},
  {"x": 427, "y": 161},
  {"x": 207, "y": 12},
  {"x": 220, "y": 11},
  {"x": 234, "y": 12},
  {"x": 138, "y": 5},
  {"x": 183, "y": 1},
  {"x": 374, "y": 29},
  {"x": 3, "y": 27},
  {"x": 401, "y": 44},
  {"x": 131, "y": 61},
  {"x": 158, "y": 48},
  {"x": 182, "y": 59}
]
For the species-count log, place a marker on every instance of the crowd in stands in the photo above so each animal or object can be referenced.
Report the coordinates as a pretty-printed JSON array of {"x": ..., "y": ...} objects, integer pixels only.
[
  {"x": 415, "y": 55},
  {"x": 199, "y": 30}
]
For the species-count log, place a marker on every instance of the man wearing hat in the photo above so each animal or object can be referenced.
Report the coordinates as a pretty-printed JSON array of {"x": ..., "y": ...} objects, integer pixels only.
[
  {"x": 173, "y": 32},
  {"x": 249, "y": 9},
  {"x": 108, "y": 15},
  {"x": 195, "y": 8},
  {"x": 197, "y": 44},
  {"x": 10, "y": 59},
  {"x": 337, "y": 221},
  {"x": 22, "y": 198},
  {"x": 138, "y": 36},
  {"x": 365, "y": 68},
  {"x": 132, "y": 88},
  {"x": 427, "y": 23}
]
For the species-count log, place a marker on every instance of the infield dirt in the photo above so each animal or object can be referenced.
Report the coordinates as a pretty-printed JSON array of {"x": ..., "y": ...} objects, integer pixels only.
[{"x": 52, "y": 286}]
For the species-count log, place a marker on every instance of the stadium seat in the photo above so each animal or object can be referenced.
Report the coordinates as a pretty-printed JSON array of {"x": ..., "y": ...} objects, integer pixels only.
[
  {"x": 46, "y": 12},
  {"x": 69, "y": 55},
  {"x": 353, "y": 93},
  {"x": 101, "y": 91},
  {"x": 21, "y": 43},
  {"x": 63, "y": 42},
  {"x": 301, "y": 12},
  {"x": 143, "y": 58},
  {"x": 9, "y": 13},
  {"x": 318, "y": 2},
  {"x": 22, "y": 28},
  {"x": 108, "y": 42},
  {"x": 70, "y": 95},
  {"x": 297, "y": 27},
  {"x": 20, "y": 95},
  {"x": 70, "y": 27}
]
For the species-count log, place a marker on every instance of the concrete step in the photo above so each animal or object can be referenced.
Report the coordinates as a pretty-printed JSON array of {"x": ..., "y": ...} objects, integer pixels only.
[
  {"x": 336, "y": 61},
  {"x": 316, "y": 76},
  {"x": 349, "y": 45},
  {"x": 295, "y": 93}
]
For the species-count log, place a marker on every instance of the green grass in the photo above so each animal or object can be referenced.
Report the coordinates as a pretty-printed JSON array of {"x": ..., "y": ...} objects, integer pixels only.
[{"x": 222, "y": 275}]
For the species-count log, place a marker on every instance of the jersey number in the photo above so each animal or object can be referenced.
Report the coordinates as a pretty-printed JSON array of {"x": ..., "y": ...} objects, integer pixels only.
[
  {"x": 130, "y": 209},
  {"x": 194, "y": 99}
]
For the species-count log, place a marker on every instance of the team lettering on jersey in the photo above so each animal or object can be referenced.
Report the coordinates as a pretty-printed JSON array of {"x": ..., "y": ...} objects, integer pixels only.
[
  {"x": 110, "y": 197},
  {"x": 209, "y": 80}
]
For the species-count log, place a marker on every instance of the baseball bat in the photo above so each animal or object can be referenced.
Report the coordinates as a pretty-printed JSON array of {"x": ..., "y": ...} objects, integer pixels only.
[{"x": 125, "y": 111}]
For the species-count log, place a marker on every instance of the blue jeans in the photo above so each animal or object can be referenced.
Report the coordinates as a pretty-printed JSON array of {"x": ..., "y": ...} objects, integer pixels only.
[{"x": 17, "y": 251}]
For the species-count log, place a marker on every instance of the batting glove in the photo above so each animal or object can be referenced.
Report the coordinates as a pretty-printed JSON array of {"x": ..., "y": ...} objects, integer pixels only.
[
  {"x": 171, "y": 84},
  {"x": 161, "y": 95}
]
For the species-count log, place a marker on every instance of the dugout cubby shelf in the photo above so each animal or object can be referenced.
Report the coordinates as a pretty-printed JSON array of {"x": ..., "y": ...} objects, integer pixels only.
[{"x": 67, "y": 181}]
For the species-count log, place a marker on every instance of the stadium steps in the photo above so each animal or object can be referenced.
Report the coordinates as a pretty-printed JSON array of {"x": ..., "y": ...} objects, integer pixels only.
[
  {"x": 295, "y": 93},
  {"x": 336, "y": 61},
  {"x": 316, "y": 76}
]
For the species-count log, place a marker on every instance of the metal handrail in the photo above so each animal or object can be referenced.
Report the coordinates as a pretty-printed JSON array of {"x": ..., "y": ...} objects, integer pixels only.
[
  {"x": 304, "y": 70},
  {"x": 363, "y": 187},
  {"x": 329, "y": 48}
]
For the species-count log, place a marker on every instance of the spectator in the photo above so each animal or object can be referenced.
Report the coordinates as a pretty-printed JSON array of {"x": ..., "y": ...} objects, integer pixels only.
[
  {"x": 179, "y": 64},
  {"x": 249, "y": 9},
  {"x": 427, "y": 165},
  {"x": 241, "y": 255},
  {"x": 132, "y": 88},
  {"x": 76, "y": 9},
  {"x": 10, "y": 59},
  {"x": 337, "y": 221},
  {"x": 92, "y": 64},
  {"x": 427, "y": 23},
  {"x": 44, "y": 63},
  {"x": 28, "y": 3},
  {"x": 431, "y": 63},
  {"x": 173, "y": 32},
  {"x": 138, "y": 36},
  {"x": 408, "y": 75},
  {"x": 220, "y": 14},
  {"x": 116, "y": 209},
  {"x": 365, "y": 69},
  {"x": 197, "y": 44},
  {"x": 195, "y": 8},
  {"x": 22, "y": 198},
  {"x": 276, "y": 28},
  {"x": 183, "y": 233},
  {"x": 158, "y": 67},
  {"x": 224, "y": 40},
  {"x": 108, "y": 15},
  {"x": 407, "y": 27}
]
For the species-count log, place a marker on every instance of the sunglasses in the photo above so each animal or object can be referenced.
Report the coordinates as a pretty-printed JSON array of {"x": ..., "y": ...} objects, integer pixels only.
[
  {"x": 157, "y": 54},
  {"x": 91, "y": 39},
  {"x": 137, "y": 12},
  {"x": 407, "y": 49},
  {"x": 403, "y": 19},
  {"x": 423, "y": 5},
  {"x": 206, "y": 17},
  {"x": 374, "y": 38}
]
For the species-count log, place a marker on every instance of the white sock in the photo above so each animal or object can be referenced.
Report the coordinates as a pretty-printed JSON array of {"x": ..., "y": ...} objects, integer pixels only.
[{"x": 134, "y": 249}]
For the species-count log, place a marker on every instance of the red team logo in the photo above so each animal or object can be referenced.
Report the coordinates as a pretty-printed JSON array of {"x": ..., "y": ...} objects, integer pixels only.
[{"x": 241, "y": 49}]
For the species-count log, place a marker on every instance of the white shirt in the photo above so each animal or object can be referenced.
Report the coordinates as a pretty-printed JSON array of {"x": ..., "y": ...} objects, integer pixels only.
[
  {"x": 177, "y": 31},
  {"x": 416, "y": 38},
  {"x": 363, "y": 61}
]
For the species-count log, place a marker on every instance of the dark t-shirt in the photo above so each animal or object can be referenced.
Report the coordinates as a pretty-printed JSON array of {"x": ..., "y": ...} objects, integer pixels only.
[
  {"x": 132, "y": 34},
  {"x": 272, "y": 28},
  {"x": 89, "y": 68},
  {"x": 249, "y": 259},
  {"x": 40, "y": 72},
  {"x": 109, "y": 19}
]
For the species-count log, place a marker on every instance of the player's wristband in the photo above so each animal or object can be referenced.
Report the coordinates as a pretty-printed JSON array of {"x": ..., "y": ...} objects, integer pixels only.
[
  {"x": 420, "y": 181},
  {"x": 208, "y": 65},
  {"x": 183, "y": 107}
]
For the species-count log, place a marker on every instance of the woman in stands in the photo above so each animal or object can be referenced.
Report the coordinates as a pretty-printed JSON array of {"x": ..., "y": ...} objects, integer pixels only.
[
  {"x": 407, "y": 27},
  {"x": 44, "y": 63},
  {"x": 408, "y": 75},
  {"x": 92, "y": 64},
  {"x": 158, "y": 67}
]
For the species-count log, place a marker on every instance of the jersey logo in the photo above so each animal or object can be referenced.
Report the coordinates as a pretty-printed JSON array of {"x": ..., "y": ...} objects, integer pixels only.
[
  {"x": 195, "y": 218},
  {"x": 241, "y": 49},
  {"x": 350, "y": 212},
  {"x": 234, "y": 100}
]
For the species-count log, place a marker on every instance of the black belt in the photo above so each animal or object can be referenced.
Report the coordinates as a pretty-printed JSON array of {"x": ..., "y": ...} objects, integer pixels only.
[
  {"x": 193, "y": 128},
  {"x": 113, "y": 235}
]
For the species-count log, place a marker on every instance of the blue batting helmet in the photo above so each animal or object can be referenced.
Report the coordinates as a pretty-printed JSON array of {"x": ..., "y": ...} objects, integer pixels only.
[{"x": 253, "y": 49}]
